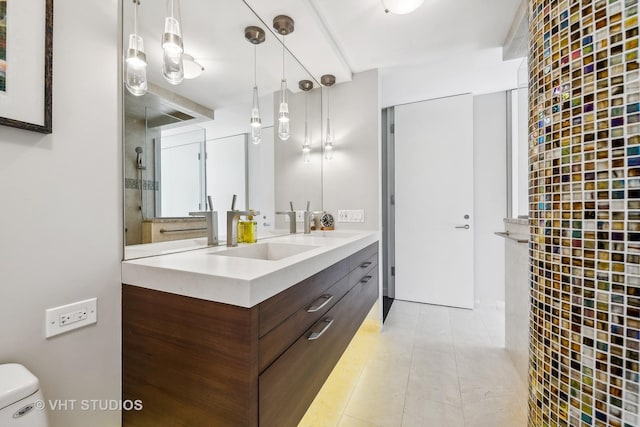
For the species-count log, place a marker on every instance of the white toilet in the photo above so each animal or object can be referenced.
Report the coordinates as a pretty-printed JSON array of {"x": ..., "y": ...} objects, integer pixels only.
[{"x": 21, "y": 401}]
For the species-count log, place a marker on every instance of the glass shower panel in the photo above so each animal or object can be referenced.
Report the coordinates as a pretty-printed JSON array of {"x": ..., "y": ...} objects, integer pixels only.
[
  {"x": 181, "y": 173},
  {"x": 227, "y": 175}
]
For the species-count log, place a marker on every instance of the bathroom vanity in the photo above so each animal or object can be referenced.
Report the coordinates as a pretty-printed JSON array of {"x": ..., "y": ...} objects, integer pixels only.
[{"x": 242, "y": 336}]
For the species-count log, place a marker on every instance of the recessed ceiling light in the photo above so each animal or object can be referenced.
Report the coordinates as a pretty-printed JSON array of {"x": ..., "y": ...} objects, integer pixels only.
[{"x": 401, "y": 7}]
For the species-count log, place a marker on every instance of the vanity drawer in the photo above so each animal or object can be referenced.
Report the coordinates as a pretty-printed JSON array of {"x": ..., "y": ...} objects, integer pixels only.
[
  {"x": 279, "y": 307},
  {"x": 289, "y": 385},
  {"x": 282, "y": 336},
  {"x": 363, "y": 269},
  {"x": 356, "y": 260}
]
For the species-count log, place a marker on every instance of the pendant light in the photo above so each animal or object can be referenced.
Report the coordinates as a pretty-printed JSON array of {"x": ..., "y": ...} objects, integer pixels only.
[
  {"x": 284, "y": 26},
  {"x": 306, "y": 86},
  {"x": 328, "y": 80},
  {"x": 172, "y": 66},
  {"x": 255, "y": 36},
  {"x": 136, "y": 61},
  {"x": 401, "y": 7}
]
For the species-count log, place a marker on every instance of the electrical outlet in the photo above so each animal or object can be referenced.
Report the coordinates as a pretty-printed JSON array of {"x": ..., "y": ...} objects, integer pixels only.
[
  {"x": 71, "y": 316},
  {"x": 354, "y": 215}
]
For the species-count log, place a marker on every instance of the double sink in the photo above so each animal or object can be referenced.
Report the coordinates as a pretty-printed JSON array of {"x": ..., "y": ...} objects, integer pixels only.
[{"x": 272, "y": 251}]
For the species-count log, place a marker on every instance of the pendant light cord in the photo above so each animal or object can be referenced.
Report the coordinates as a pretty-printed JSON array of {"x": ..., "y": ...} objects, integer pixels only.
[
  {"x": 255, "y": 67},
  {"x": 283, "y": 57},
  {"x": 328, "y": 104},
  {"x": 135, "y": 19}
]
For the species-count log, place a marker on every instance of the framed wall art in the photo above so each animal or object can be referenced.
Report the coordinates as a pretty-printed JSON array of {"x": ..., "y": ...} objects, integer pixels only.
[{"x": 26, "y": 56}]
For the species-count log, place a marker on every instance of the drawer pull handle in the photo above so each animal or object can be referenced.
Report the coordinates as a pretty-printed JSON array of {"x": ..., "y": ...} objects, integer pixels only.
[
  {"x": 319, "y": 303},
  {"x": 315, "y": 335},
  {"x": 365, "y": 279},
  {"x": 365, "y": 264}
]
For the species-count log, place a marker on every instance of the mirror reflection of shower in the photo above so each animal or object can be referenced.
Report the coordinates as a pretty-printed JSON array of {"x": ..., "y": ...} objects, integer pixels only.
[
  {"x": 140, "y": 159},
  {"x": 140, "y": 166}
]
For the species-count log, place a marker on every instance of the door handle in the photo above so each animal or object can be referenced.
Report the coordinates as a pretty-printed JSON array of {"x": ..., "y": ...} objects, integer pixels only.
[{"x": 466, "y": 226}]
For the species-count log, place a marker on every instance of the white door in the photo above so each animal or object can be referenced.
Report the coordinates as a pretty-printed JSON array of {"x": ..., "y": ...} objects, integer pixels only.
[{"x": 434, "y": 201}]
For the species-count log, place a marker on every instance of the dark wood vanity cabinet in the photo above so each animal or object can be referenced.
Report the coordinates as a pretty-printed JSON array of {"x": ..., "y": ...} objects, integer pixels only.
[{"x": 200, "y": 363}]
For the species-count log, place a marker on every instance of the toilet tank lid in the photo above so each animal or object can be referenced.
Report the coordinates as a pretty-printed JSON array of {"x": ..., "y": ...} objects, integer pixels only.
[{"x": 16, "y": 383}]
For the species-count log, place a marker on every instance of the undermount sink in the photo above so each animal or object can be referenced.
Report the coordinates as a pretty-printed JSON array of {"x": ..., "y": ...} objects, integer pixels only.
[
  {"x": 266, "y": 251},
  {"x": 336, "y": 234}
]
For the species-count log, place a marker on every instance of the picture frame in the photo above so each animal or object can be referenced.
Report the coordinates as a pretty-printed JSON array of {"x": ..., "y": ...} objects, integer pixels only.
[{"x": 26, "y": 64}]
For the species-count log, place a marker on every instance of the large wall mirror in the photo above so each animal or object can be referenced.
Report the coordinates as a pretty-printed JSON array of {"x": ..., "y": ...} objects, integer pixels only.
[{"x": 188, "y": 141}]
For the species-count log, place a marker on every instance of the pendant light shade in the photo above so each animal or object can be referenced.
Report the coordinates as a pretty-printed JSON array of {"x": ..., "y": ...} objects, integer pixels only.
[
  {"x": 306, "y": 86},
  {"x": 283, "y": 113},
  {"x": 172, "y": 48},
  {"x": 255, "y": 36},
  {"x": 256, "y": 121},
  {"x": 284, "y": 25},
  {"x": 401, "y": 7},
  {"x": 136, "y": 60},
  {"x": 328, "y": 80}
]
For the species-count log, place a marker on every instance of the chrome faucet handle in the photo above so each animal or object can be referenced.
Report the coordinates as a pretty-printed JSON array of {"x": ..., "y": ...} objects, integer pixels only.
[
  {"x": 292, "y": 219},
  {"x": 212, "y": 225}
]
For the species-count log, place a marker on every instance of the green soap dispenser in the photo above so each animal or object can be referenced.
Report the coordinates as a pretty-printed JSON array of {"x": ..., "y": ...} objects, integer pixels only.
[
  {"x": 241, "y": 227},
  {"x": 250, "y": 230}
]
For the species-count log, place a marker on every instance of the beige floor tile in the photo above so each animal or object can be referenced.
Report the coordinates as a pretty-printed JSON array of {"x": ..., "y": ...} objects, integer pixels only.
[
  {"x": 347, "y": 421},
  {"x": 431, "y": 414},
  {"x": 379, "y": 396},
  {"x": 433, "y": 377},
  {"x": 429, "y": 366},
  {"x": 494, "y": 413}
]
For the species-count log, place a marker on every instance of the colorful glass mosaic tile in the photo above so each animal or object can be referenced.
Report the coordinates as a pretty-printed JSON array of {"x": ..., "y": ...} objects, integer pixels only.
[{"x": 584, "y": 193}]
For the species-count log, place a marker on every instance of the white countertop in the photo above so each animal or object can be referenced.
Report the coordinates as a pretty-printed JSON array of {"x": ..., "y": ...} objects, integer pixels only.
[{"x": 239, "y": 281}]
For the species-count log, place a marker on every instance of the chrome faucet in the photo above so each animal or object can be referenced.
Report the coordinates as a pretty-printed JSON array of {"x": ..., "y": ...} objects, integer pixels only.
[
  {"x": 211, "y": 217},
  {"x": 232, "y": 222},
  {"x": 292, "y": 218},
  {"x": 308, "y": 215}
]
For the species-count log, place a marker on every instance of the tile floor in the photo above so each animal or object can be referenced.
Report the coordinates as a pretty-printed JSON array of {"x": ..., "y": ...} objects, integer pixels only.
[{"x": 429, "y": 366}]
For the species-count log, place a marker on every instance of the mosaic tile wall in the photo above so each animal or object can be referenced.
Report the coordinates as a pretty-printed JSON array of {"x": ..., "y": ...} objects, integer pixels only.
[{"x": 585, "y": 213}]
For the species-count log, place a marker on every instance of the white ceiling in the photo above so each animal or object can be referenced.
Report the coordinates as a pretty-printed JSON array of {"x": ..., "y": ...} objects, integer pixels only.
[
  {"x": 331, "y": 36},
  {"x": 370, "y": 38}
]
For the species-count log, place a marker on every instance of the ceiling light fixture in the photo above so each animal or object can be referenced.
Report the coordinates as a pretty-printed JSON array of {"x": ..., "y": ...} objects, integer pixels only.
[
  {"x": 284, "y": 26},
  {"x": 306, "y": 86},
  {"x": 328, "y": 80},
  {"x": 136, "y": 60},
  {"x": 401, "y": 7},
  {"x": 172, "y": 65},
  {"x": 255, "y": 36},
  {"x": 192, "y": 68}
]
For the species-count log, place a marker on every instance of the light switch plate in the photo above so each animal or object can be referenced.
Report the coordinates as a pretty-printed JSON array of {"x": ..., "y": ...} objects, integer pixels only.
[{"x": 72, "y": 316}]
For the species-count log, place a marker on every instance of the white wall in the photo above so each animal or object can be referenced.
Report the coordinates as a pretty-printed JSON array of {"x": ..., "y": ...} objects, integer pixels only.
[
  {"x": 352, "y": 179},
  {"x": 234, "y": 120},
  {"x": 490, "y": 195},
  {"x": 61, "y": 219},
  {"x": 479, "y": 73},
  {"x": 295, "y": 180}
]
